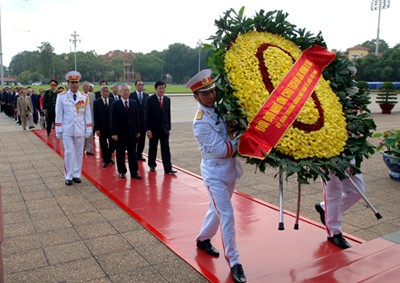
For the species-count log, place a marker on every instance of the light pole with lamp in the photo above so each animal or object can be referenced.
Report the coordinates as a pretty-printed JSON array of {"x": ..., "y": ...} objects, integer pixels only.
[
  {"x": 1, "y": 57},
  {"x": 379, "y": 5},
  {"x": 199, "y": 45},
  {"x": 74, "y": 40}
]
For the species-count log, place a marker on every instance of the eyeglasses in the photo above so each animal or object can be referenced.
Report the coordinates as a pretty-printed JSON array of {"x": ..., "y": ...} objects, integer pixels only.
[{"x": 140, "y": 84}]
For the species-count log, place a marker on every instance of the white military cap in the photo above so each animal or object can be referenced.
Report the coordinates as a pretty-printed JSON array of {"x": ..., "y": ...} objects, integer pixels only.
[
  {"x": 73, "y": 76},
  {"x": 202, "y": 81}
]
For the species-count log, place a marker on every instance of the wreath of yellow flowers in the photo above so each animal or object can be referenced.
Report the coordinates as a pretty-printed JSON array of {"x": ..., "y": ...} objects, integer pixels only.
[
  {"x": 323, "y": 114},
  {"x": 327, "y": 134}
]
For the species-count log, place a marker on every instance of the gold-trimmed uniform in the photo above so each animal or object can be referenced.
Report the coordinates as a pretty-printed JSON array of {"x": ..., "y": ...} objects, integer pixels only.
[
  {"x": 220, "y": 170},
  {"x": 73, "y": 123}
]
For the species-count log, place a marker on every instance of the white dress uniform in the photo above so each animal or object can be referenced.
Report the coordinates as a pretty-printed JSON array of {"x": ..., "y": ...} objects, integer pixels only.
[
  {"x": 220, "y": 172},
  {"x": 339, "y": 195},
  {"x": 73, "y": 121}
]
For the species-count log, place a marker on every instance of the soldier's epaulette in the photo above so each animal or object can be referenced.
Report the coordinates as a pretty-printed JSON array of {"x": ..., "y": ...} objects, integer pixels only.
[{"x": 199, "y": 115}]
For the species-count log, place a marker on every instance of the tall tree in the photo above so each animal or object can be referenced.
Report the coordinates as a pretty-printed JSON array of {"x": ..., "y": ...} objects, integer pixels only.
[
  {"x": 46, "y": 59},
  {"x": 149, "y": 66},
  {"x": 371, "y": 45}
]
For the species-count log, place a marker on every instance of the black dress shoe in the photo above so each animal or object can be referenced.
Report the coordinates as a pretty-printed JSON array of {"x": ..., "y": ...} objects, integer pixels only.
[
  {"x": 89, "y": 153},
  {"x": 137, "y": 176},
  {"x": 152, "y": 169},
  {"x": 339, "y": 241},
  {"x": 31, "y": 127},
  {"x": 68, "y": 182},
  {"x": 207, "y": 247},
  {"x": 112, "y": 161},
  {"x": 104, "y": 164},
  {"x": 122, "y": 175},
  {"x": 142, "y": 158},
  {"x": 171, "y": 172},
  {"x": 238, "y": 274},
  {"x": 77, "y": 180},
  {"x": 321, "y": 212}
]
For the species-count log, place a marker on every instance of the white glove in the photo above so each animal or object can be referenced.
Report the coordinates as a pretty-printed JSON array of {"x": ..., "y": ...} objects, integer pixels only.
[
  {"x": 59, "y": 136},
  {"x": 87, "y": 135}
]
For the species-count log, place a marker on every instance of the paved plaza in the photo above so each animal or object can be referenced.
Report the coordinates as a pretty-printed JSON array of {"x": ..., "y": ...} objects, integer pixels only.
[{"x": 55, "y": 233}]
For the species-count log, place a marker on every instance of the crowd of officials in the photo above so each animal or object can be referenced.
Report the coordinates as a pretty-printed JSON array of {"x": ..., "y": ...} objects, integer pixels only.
[{"x": 121, "y": 128}]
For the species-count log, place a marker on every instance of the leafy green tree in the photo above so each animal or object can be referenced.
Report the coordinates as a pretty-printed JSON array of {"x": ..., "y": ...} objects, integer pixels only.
[
  {"x": 179, "y": 59},
  {"x": 371, "y": 45},
  {"x": 116, "y": 69},
  {"x": 24, "y": 77},
  {"x": 24, "y": 61},
  {"x": 46, "y": 59},
  {"x": 149, "y": 66}
]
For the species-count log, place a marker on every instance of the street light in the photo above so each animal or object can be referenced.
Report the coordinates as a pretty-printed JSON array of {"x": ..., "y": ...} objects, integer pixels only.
[
  {"x": 379, "y": 5},
  {"x": 199, "y": 45},
  {"x": 1, "y": 57},
  {"x": 74, "y": 40}
]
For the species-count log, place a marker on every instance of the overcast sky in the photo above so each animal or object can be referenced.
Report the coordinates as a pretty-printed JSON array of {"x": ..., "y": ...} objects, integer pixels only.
[{"x": 146, "y": 25}]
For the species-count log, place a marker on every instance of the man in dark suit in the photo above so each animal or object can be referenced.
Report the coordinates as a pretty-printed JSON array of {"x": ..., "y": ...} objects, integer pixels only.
[
  {"x": 101, "y": 112},
  {"x": 140, "y": 97},
  {"x": 157, "y": 121},
  {"x": 125, "y": 129},
  {"x": 115, "y": 92},
  {"x": 97, "y": 94}
]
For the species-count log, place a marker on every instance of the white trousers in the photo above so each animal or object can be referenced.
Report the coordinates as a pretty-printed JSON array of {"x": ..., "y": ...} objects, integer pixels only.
[
  {"x": 73, "y": 156},
  {"x": 339, "y": 195},
  {"x": 89, "y": 143},
  {"x": 220, "y": 212}
]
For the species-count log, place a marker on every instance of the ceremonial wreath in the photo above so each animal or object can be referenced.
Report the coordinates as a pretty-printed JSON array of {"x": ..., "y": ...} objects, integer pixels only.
[{"x": 293, "y": 101}]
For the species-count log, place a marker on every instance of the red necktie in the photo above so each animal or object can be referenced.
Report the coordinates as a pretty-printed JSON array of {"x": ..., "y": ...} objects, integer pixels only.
[
  {"x": 126, "y": 105},
  {"x": 161, "y": 102}
]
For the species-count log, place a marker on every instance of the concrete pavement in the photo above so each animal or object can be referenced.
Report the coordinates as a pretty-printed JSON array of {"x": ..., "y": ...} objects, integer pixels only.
[{"x": 56, "y": 233}]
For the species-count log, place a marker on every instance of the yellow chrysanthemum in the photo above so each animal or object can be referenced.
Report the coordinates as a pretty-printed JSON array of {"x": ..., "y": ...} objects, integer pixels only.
[{"x": 243, "y": 71}]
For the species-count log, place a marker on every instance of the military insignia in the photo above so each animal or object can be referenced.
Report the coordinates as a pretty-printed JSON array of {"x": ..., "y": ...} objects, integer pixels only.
[
  {"x": 199, "y": 115},
  {"x": 80, "y": 106}
]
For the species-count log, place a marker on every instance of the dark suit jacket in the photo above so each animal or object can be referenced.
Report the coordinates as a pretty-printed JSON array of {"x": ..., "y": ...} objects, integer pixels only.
[
  {"x": 157, "y": 120},
  {"x": 134, "y": 96},
  {"x": 111, "y": 95},
  {"x": 125, "y": 124},
  {"x": 101, "y": 117}
]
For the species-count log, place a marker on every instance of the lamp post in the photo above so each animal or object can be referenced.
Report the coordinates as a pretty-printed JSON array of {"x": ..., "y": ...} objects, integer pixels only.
[
  {"x": 199, "y": 45},
  {"x": 379, "y": 5},
  {"x": 1, "y": 57},
  {"x": 74, "y": 40}
]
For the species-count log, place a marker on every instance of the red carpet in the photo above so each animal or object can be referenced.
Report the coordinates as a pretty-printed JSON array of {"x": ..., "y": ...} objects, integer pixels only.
[{"x": 172, "y": 208}]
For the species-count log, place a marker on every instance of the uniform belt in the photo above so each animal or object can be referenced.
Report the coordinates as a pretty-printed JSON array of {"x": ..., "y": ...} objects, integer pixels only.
[{"x": 209, "y": 155}]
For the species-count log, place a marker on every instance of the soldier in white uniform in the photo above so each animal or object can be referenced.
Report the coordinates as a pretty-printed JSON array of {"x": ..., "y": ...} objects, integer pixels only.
[
  {"x": 339, "y": 195},
  {"x": 73, "y": 124},
  {"x": 219, "y": 170}
]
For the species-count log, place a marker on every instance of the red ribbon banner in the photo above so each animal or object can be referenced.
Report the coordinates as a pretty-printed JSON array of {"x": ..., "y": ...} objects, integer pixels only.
[{"x": 285, "y": 103}]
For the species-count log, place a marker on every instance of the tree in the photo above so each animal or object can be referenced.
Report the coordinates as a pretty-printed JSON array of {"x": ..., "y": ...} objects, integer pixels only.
[
  {"x": 179, "y": 59},
  {"x": 24, "y": 61},
  {"x": 24, "y": 77},
  {"x": 371, "y": 45},
  {"x": 149, "y": 66},
  {"x": 46, "y": 59},
  {"x": 116, "y": 68}
]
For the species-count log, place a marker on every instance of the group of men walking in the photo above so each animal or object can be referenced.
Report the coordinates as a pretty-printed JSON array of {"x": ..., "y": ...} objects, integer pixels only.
[{"x": 120, "y": 119}]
